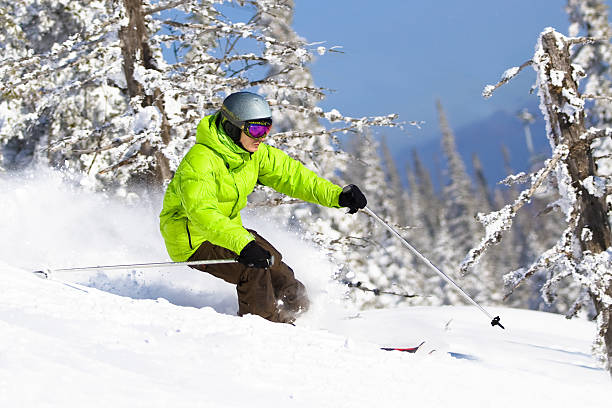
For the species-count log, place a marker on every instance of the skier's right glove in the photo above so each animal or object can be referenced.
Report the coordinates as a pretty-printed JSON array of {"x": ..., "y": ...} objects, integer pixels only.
[
  {"x": 352, "y": 197},
  {"x": 254, "y": 256}
]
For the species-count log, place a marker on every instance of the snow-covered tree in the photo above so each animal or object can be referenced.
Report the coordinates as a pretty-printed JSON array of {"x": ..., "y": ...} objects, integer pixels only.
[
  {"x": 591, "y": 19},
  {"x": 33, "y": 110},
  {"x": 425, "y": 211},
  {"x": 396, "y": 194},
  {"x": 484, "y": 196},
  {"x": 427, "y": 208},
  {"x": 458, "y": 193},
  {"x": 582, "y": 253},
  {"x": 458, "y": 227},
  {"x": 369, "y": 257},
  {"x": 108, "y": 103}
]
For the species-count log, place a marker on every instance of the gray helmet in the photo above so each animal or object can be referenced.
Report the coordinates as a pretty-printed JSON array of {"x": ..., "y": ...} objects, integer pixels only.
[{"x": 240, "y": 107}]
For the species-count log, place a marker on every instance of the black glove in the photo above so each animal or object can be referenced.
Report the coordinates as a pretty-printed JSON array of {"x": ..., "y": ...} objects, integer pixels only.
[
  {"x": 254, "y": 256},
  {"x": 352, "y": 197}
]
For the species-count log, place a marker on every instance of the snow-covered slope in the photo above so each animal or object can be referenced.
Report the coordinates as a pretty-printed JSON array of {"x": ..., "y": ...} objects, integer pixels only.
[
  {"x": 159, "y": 338},
  {"x": 68, "y": 345}
]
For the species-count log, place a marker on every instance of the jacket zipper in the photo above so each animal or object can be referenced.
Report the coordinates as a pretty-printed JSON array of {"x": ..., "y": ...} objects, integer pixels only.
[
  {"x": 237, "y": 192},
  {"x": 188, "y": 233}
]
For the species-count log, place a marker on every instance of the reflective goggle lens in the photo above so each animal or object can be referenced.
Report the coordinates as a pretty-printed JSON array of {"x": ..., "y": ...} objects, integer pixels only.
[{"x": 257, "y": 130}]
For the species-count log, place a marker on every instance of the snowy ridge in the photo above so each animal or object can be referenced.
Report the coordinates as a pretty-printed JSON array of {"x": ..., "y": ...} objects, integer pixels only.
[{"x": 171, "y": 338}]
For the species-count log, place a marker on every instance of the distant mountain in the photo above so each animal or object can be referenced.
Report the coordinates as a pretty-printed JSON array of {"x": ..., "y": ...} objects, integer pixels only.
[{"x": 485, "y": 138}]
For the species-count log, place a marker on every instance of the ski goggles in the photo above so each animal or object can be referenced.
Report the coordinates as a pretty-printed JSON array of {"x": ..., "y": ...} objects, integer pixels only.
[{"x": 257, "y": 129}]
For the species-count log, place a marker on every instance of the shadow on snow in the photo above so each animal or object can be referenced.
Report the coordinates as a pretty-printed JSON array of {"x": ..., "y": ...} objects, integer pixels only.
[{"x": 135, "y": 285}]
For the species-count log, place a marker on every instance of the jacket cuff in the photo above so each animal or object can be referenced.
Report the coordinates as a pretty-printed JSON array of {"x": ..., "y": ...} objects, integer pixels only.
[{"x": 244, "y": 242}]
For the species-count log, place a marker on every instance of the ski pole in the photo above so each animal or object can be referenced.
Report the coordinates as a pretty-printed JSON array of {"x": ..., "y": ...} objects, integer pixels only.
[
  {"x": 46, "y": 273},
  {"x": 494, "y": 320}
]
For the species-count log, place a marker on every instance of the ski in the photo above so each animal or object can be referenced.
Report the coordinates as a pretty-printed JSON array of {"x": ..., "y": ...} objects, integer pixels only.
[{"x": 404, "y": 349}]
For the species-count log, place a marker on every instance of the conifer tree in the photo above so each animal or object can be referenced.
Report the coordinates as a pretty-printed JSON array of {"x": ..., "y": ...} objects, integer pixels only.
[
  {"x": 458, "y": 193},
  {"x": 484, "y": 192},
  {"x": 371, "y": 257},
  {"x": 458, "y": 229},
  {"x": 427, "y": 202},
  {"x": 395, "y": 192},
  {"x": 426, "y": 220}
]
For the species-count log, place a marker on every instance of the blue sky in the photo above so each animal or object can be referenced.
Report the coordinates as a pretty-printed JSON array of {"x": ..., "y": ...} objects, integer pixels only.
[{"x": 401, "y": 56}]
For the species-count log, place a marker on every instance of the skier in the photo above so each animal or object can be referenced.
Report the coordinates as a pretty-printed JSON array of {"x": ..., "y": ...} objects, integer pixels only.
[{"x": 201, "y": 220}]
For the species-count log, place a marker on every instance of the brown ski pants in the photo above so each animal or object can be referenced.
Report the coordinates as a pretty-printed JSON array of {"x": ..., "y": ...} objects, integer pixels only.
[{"x": 272, "y": 293}]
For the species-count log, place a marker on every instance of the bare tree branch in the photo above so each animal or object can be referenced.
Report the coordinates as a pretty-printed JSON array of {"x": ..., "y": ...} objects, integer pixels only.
[
  {"x": 164, "y": 7},
  {"x": 585, "y": 40},
  {"x": 507, "y": 76},
  {"x": 601, "y": 97},
  {"x": 605, "y": 156},
  {"x": 114, "y": 144},
  {"x": 117, "y": 165},
  {"x": 376, "y": 291},
  {"x": 595, "y": 133}
]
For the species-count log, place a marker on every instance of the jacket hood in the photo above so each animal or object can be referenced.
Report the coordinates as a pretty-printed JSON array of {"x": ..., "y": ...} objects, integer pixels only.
[{"x": 209, "y": 135}]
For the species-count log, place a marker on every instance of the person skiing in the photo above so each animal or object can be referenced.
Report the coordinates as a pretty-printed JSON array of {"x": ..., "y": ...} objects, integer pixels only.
[{"x": 200, "y": 218}]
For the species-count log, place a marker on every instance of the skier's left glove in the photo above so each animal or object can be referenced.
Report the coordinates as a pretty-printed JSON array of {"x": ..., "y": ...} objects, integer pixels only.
[{"x": 352, "y": 197}]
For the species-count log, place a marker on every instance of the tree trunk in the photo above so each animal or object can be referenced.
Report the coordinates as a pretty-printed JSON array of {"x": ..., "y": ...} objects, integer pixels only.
[
  {"x": 567, "y": 123},
  {"x": 136, "y": 50}
]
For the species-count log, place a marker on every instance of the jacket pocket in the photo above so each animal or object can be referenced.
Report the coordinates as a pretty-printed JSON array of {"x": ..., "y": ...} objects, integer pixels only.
[{"x": 188, "y": 233}]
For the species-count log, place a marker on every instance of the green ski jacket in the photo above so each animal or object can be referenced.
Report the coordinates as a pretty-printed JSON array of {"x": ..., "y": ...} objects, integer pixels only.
[{"x": 211, "y": 185}]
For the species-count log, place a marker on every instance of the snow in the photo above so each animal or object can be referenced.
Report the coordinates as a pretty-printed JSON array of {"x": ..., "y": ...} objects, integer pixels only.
[
  {"x": 574, "y": 105},
  {"x": 147, "y": 118},
  {"x": 521, "y": 177},
  {"x": 586, "y": 234},
  {"x": 172, "y": 107},
  {"x": 577, "y": 72},
  {"x": 509, "y": 73},
  {"x": 488, "y": 91},
  {"x": 333, "y": 115},
  {"x": 596, "y": 186},
  {"x": 170, "y": 337},
  {"x": 556, "y": 77}
]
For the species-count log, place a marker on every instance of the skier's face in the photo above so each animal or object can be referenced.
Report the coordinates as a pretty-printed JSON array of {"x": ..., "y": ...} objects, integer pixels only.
[{"x": 249, "y": 143}]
